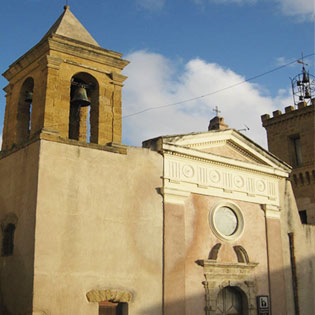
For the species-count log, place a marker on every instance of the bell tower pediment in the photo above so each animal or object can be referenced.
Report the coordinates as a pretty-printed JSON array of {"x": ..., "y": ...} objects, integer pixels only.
[{"x": 67, "y": 62}]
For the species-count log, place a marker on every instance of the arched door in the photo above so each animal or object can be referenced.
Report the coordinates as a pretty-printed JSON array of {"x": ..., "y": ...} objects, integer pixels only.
[{"x": 229, "y": 302}]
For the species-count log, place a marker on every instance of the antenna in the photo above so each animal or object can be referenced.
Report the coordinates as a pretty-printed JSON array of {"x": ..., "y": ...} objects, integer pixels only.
[
  {"x": 303, "y": 85},
  {"x": 244, "y": 129}
]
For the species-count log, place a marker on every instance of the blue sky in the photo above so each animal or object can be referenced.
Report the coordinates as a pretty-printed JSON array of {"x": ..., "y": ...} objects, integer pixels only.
[{"x": 180, "y": 49}]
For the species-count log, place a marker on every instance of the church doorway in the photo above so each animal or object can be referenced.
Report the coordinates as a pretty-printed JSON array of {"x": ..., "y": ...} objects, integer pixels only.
[{"x": 231, "y": 301}]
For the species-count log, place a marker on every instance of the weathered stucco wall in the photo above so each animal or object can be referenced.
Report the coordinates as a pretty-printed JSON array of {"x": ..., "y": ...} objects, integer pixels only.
[
  {"x": 188, "y": 238},
  {"x": 18, "y": 192},
  {"x": 99, "y": 226},
  {"x": 304, "y": 251}
]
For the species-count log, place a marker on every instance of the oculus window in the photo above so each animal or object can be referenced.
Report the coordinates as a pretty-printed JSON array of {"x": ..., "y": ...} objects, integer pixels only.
[{"x": 226, "y": 221}]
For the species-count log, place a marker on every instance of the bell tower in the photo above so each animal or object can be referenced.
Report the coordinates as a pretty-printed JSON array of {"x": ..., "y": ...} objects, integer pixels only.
[
  {"x": 63, "y": 105},
  {"x": 65, "y": 88}
]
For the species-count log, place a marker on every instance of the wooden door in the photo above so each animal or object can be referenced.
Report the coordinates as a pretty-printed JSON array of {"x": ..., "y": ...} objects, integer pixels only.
[{"x": 229, "y": 302}]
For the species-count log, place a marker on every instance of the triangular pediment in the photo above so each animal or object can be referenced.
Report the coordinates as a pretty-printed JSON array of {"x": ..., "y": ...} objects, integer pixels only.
[
  {"x": 69, "y": 26},
  {"x": 228, "y": 145}
]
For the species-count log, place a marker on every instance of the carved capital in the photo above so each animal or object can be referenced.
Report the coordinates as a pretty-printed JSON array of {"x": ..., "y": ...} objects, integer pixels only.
[
  {"x": 271, "y": 211},
  {"x": 51, "y": 62},
  {"x": 174, "y": 196},
  {"x": 8, "y": 89},
  {"x": 117, "y": 78}
]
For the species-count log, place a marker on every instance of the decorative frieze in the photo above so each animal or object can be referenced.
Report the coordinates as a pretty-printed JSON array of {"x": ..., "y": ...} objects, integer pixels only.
[{"x": 207, "y": 178}]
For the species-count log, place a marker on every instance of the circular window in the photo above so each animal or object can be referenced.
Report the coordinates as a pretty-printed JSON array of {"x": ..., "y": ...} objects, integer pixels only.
[{"x": 226, "y": 221}]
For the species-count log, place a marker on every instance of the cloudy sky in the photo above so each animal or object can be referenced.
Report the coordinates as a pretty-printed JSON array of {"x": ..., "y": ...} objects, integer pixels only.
[{"x": 181, "y": 50}]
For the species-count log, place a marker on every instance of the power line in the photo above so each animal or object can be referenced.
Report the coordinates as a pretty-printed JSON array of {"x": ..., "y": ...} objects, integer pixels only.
[
  {"x": 205, "y": 95},
  {"x": 214, "y": 92}
]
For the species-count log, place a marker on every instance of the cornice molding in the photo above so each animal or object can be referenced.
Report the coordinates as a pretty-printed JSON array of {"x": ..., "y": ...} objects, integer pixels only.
[
  {"x": 188, "y": 153},
  {"x": 88, "y": 52}
]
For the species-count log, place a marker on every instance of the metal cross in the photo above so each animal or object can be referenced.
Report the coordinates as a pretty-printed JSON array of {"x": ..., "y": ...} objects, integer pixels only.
[{"x": 216, "y": 110}]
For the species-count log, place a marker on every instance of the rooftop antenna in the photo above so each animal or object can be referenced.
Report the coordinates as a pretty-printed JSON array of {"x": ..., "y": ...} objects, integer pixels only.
[
  {"x": 303, "y": 85},
  {"x": 244, "y": 129}
]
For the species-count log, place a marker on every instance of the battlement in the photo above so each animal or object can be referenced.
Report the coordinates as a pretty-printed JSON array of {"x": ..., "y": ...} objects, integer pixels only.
[
  {"x": 290, "y": 113},
  {"x": 291, "y": 138}
]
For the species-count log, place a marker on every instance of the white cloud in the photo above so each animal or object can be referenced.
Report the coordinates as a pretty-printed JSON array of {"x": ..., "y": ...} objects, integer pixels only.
[
  {"x": 0, "y": 141},
  {"x": 151, "y": 5},
  {"x": 155, "y": 81},
  {"x": 302, "y": 8}
]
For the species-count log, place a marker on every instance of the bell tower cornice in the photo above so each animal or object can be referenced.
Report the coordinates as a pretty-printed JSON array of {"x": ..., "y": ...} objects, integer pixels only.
[{"x": 57, "y": 43}]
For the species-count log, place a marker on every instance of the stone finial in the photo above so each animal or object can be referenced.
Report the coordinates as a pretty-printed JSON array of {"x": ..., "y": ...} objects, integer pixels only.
[{"x": 217, "y": 123}]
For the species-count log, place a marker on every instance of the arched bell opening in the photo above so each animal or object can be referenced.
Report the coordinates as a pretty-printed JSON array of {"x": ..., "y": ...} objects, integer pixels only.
[
  {"x": 84, "y": 102},
  {"x": 232, "y": 300},
  {"x": 24, "y": 113}
]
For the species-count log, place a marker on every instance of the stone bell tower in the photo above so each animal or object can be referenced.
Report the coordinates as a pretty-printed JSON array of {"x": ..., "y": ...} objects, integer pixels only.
[
  {"x": 63, "y": 94},
  {"x": 65, "y": 87}
]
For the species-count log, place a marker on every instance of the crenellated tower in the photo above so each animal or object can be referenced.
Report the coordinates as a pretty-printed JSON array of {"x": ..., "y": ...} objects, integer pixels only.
[{"x": 291, "y": 137}]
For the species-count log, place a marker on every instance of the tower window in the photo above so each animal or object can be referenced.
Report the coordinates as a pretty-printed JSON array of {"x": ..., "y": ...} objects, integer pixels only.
[
  {"x": 110, "y": 308},
  {"x": 303, "y": 216},
  {"x": 296, "y": 150},
  {"x": 8, "y": 240}
]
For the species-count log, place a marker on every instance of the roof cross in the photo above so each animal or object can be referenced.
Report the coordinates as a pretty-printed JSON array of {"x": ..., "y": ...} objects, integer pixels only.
[{"x": 216, "y": 110}]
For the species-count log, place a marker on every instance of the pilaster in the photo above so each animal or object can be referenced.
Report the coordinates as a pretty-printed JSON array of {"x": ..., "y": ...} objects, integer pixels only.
[{"x": 275, "y": 260}]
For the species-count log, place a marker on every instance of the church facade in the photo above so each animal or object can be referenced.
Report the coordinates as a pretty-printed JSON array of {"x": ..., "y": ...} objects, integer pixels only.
[{"x": 201, "y": 223}]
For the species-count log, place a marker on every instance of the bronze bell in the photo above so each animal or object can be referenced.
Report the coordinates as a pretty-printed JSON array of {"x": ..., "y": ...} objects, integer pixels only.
[
  {"x": 28, "y": 97},
  {"x": 307, "y": 93},
  {"x": 80, "y": 97},
  {"x": 305, "y": 76}
]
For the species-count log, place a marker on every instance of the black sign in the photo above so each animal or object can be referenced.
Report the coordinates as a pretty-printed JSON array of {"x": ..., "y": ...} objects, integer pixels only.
[{"x": 263, "y": 305}]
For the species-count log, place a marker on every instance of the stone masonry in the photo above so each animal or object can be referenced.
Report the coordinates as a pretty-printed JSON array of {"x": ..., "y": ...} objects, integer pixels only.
[
  {"x": 291, "y": 137},
  {"x": 50, "y": 67}
]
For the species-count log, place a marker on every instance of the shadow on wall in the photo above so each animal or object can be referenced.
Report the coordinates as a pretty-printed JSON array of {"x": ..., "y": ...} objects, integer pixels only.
[
  {"x": 12, "y": 270},
  {"x": 196, "y": 305}
]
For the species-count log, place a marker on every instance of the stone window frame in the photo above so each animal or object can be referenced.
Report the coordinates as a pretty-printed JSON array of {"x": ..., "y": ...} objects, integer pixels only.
[{"x": 240, "y": 218}]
